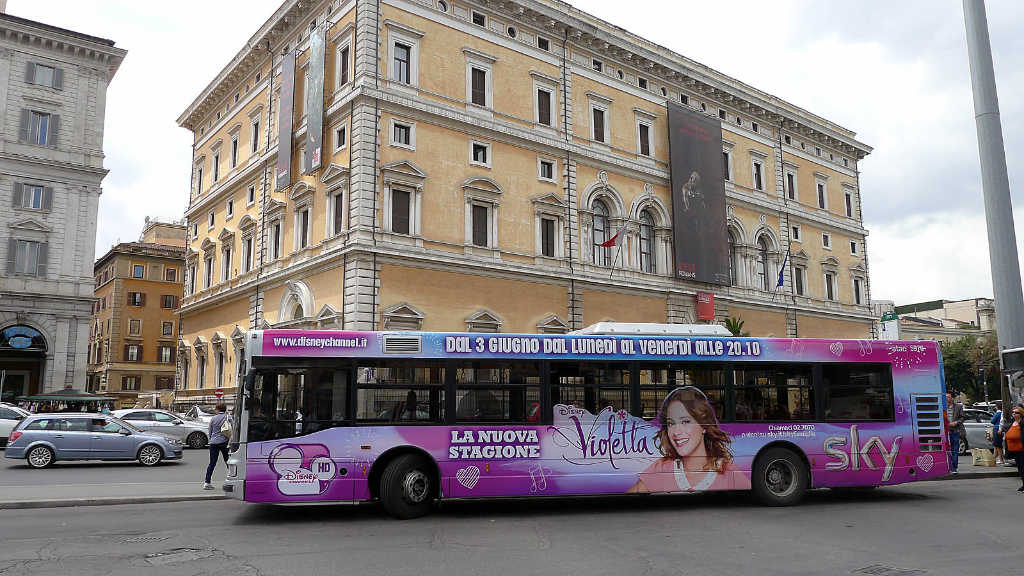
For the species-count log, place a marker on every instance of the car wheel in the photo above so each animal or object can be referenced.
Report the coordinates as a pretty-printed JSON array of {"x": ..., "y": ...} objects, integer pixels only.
[
  {"x": 407, "y": 487},
  {"x": 196, "y": 440},
  {"x": 150, "y": 455},
  {"x": 39, "y": 457},
  {"x": 780, "y": 478}
]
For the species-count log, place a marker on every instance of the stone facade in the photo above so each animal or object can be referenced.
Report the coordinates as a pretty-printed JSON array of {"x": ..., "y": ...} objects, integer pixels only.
[
  {"x": 434, "y": 211},
  {"x": 53, "y": 85}
]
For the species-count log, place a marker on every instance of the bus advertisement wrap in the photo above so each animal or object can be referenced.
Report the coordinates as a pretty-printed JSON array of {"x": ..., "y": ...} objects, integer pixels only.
[{"x": 682, "y": 448}]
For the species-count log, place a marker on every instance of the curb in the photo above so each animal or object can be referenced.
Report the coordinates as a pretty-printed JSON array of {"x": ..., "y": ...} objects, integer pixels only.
[
  {"x": 106, "y": 501},
  {"x": 974, "y": 476}
]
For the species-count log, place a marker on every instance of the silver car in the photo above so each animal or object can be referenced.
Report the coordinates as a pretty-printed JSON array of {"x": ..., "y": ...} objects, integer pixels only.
[
  {"x": 192, "y": 434},
  {"x": 976, "y": 422},
  {"x": 43, "y": 439}
]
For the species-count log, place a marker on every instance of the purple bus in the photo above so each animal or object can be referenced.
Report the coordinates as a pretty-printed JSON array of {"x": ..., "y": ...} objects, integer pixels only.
[{"x": 408, "y": 418}]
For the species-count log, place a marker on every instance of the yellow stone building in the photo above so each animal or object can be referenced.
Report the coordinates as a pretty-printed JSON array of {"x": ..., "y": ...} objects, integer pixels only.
[
  {"x": 473, "y": 155},
  {"x": 134, "y": 329}
]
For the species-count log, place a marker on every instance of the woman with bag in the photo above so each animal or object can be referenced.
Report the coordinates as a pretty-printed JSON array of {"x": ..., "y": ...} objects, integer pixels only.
[
  {"x": 220, "y": 432},
  {"x": 1014, "y": 437}
]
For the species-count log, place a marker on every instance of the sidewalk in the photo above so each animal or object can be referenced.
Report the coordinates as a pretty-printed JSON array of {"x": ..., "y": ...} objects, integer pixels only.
[
  {"x": 969, "y": 471},
  {"x": 62, "y": 495}
]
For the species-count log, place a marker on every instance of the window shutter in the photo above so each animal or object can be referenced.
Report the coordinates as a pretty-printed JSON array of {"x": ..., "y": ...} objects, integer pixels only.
[
  {"x": 16, "y": 201},
  {"x": 130, "y": 298},
  {"x": 26, "y": 124},
  {"x": 30, "y": 73},
  {"x": 12, "y": 253},
  {"x": 41, "y": 268},
  {"x": 51, "y": 140},
  {"x": 174, "y": 355},
  {"x": 138, "y": 356},
  {"x": 47, "y": 198},
  {"x": 142, "y": 299},
  {"x": 125, "y": 354},
  {"x": 58, "y": 78}
]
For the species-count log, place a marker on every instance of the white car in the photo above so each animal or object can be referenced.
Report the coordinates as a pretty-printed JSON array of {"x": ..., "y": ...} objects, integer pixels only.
[
  {"x": 192, "y": 434},
  {"x": 10, "y": 416},
  {"x": 197, "y": 414}
]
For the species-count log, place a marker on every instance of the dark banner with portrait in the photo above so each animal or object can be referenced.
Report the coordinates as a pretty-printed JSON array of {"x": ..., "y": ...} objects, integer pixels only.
[
  {"x": 315, "y": 102},
  {"x": 698, "y": 196},
  {"x": 284, "y": 122}
]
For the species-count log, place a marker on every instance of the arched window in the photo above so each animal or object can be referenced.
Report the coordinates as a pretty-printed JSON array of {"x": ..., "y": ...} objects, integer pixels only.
[
  {"x": 297, "y": 313},
  {"x": 732, "y": 259},
  {"x": 602, "y": 254},
  {"x": 647, "y": 242},
  {"x": 762, "y": 263}
]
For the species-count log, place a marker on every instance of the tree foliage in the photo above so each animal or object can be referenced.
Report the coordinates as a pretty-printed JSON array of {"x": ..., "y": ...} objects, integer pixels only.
[
  {"x": 735, "y": 325},
  {"x": 961, "y": 361}
]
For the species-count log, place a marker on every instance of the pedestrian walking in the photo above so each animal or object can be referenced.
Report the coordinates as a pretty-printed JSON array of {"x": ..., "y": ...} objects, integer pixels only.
[
  {"x": 220, "y": 430},
  {"x": 1015, "y": 441},
  {"x": 956, "y": 430}
]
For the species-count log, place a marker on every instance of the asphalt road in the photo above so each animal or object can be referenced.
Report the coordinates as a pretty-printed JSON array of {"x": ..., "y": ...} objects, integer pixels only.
[
  {"x": 932, "y": 528},
  {"x": 191, "y": 467}
]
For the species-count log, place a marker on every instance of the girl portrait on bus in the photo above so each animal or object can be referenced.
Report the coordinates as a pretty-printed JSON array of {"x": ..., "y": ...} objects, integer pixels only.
[{"x": 695, "y": 451}]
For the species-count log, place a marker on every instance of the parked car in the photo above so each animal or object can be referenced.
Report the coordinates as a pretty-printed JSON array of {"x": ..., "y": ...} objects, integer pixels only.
[
  {"x": 191, "y": 433},
  {"x": 977, "y": 422},
  {"x": 10, "y": 416},
  {"x": 42, "y": 439},
  {"x": 197, "y": 414}
]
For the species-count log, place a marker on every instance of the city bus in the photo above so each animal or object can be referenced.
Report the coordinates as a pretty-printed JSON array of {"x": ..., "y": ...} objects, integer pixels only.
[{"x": 411, "y": 418}]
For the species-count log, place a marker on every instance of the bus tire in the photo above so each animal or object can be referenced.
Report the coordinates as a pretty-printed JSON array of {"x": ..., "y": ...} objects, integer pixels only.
[
  {"x": 780, "y": 477},
  {"x": 407, "y": 487}
]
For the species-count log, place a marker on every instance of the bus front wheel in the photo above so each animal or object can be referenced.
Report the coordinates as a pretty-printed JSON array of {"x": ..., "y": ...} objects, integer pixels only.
[
  {"x": 780, "y": 478},
  {"x": 407, "y": 487}
]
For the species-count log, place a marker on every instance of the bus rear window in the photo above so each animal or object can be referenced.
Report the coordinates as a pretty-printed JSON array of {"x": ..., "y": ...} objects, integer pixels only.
[{"x": 857, "y": 392}]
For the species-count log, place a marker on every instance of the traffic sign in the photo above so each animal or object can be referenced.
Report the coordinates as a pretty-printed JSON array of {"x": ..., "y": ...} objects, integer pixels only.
[{"x": 219, "y": 392}]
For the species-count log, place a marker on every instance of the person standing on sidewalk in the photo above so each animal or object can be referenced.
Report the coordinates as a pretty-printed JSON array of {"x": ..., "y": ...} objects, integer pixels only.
[
  {"x": 218, "y": 442},
  {"x": 997, "y": 436},
  {"x": 956, "y": 430},
  {"x": 1015, "y": 441}
]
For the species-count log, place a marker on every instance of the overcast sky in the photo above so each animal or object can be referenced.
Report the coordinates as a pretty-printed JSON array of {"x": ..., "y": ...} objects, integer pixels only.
[{"x": 894, "y": 72}]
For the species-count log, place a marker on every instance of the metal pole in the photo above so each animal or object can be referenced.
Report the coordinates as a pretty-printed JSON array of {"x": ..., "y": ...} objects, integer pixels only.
[{"x": 1002, "y": 243}]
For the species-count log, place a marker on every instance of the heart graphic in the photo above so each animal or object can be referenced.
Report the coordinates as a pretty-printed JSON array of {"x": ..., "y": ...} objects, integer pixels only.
[
  {"x": 925, "y": 462},
  {"x": 468, "y": 476},
  {"x": 836, "y": 348}
]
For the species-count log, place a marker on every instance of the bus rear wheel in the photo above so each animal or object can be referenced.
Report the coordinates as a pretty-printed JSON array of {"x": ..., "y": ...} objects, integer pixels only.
[
  {"x": 407, "y": 487},
  {"x": 780, "y": 478}
]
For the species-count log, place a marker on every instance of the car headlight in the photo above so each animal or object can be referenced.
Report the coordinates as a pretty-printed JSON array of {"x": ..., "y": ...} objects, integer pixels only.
[{"x": 175, "y": 442}]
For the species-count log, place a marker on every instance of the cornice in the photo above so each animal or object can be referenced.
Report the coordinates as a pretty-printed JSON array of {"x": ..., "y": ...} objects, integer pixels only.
[{"x": 21, "y": 32}]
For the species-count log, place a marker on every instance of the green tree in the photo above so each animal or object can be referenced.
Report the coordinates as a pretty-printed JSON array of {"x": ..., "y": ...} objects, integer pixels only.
[
  {"x": 961, "y": 361},
  {"x": 734, "y": 325}
]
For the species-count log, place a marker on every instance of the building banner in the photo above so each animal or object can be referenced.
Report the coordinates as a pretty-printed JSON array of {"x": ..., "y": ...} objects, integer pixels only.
[
  {"x": 698, "y": 196},
  {"x": 284, "y": 122},
  {"x": 315, "y": 102}
]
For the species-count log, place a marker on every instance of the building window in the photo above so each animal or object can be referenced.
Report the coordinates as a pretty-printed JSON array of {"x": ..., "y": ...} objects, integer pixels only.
[
  {"x": 247, "y": 254},
  {"x": 225, "y": 265},
  {"x": 229, "y": 209},
  {"x": 302, "y": 228},
  {"x": 817, "y": 151},
  {"x": 209, "y": 271},
  {"x": 402, "y": 71},
  {"x": 545, "y": 103},
  {"x": 442, "y": 5},
  {"x": 599, "y": 129},
  {"x": 167, "y": 329},
  {"x": 546, "y": 170},
  {"x": 340, "y": 137},
  {"x": 138, "y": 271},
  {"x": 647, "y": 243},
  {"x": 597, "y": 65},
  {"x": 763, "y": 277},
  {"x": 479, "y": 86},
  {"x": 543, "y": 44},
  {"x": 788, "y": 139},
  {"x": 132, "y": 352},
  {"x": 857, "y": 297},
  {"x": 547, "y": 237},
  {"x": 727, "y": 164},
  {"x": 684, "y": 99},
  {"x": 721, "y": 113},
  {"x": 853, "y": 247},
  {"x": 32, "y": 196},
  {"x": 796, "y": 233},
  {"x": 234, "y": 152},
  {"x": 130, "y": 383},
  {"x": 403, "y": 134},
  {"x": 480, "y": 225},
  {"x": 209, "y": 225},
  {"x": 339, "y": 213},
  {"x": 171, "y": 274},
  {"x": 830, "y": 286},
  {"x": 643, "y": 132},
  {"x": 199, "y": 179},
  {"x": 254, "y": 136},
  {"x": 45, "y": 75},
  {"x": 168, "y": 301},
  {"x": 195, "y": 230},
  {"x": 826, "y": 240},
  {"x": 602, "y": 254},
  {"x": 790, "y": 185},
  {"x": 136, "y": 299},
  {"x": 479, "y": 19},
  {"x": 758, "y": 174},
  {"x": 822, "y": 197},
  {"x": 200, "y": 371},
  {"x": 343, "y": 66},
  {"x": 732, "y": 259},
  {"x": 400, "y": 200},
  {"x": 216, "y": 167},
  {"x": 192, "y": 280},
  {"x": 219, "y": 367},
  {"x": 250, "y": 196},
  {"x": 848, "y": 197},
  {"x": 480, "y": 154},
  {"x": 755, "y": 127},
  {"x": 799, "y": 279},
  {"x": 275, "y": 240},
  {"x": 134, "y": 327},
  {"x": 641, "y": 83},
  {"x": 39, "y": 128},
  {"x": 164, "y": 354}
]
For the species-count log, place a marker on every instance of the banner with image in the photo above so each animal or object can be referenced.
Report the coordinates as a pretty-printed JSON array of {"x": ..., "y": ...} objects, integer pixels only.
[
  {"x": 284, "y": 122},
  {"x": 698, "y": 196},
  {"x": 315, "y": 102}
]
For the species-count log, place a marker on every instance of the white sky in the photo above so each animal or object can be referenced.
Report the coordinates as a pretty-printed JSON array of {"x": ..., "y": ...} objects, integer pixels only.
[{"x": 894, "y": 72}]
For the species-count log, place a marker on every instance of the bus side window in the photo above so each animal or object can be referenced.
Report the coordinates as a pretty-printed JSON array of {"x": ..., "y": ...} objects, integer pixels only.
[{"x": 857, "y": 392}]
